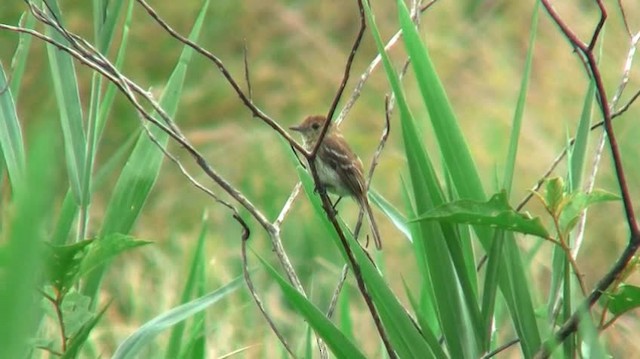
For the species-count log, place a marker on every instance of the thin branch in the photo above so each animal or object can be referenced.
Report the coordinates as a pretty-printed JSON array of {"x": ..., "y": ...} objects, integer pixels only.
[
  {"x": 343, "y": 82},
  {"x": 596, "y": 32},
  {"x": 247, "y": 77},
  {"x": 225, "y": 73},
  {"x": 258, "y": 301},
  {"x": 347, "y": 68},
  {"x": 336, "y": 292},
  {"x": 374, "y": 65},
  {"x": 328, "y": 207},
  {"x": 624, "y": 18},
  {"x": 501, "y": 348},
  {"x": 571, "y": 324}
]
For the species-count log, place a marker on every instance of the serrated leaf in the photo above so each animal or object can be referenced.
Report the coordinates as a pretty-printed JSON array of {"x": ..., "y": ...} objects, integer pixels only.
[
  {"x": 626, "y": 298},
  {"x": 106, "y": 248},
  {"x": 64, "y": 262},
  {"x": 495, "y": 213}
]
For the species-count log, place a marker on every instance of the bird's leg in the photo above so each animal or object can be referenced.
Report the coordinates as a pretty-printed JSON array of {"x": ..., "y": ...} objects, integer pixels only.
[{"x": 336, "y": 205}]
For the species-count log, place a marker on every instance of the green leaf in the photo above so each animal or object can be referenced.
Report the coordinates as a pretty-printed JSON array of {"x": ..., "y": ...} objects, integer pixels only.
[
  {"x": 461, "y": 168},
  {"x": 143, "y": 166},
  {"x": 495, "y": 213},
  {"x": 626, "y": 298},
  {"x": 65, "y": 86},
  {"x": 339, "y": 344},
  {"x": 391, "y": 212},
  {"x": 106, "y": 248},
  {"x": 64, "y": 263},
  {"x": 76, "y": 312},
  {"x": 458, "y": 314},
  {"x": 20, "y": 57},
  {"x": 76, "y": 343},
  {"x": 516, "y": 127},
  {"x": 11, "y": 144},
  {"x": 590, "y": 344},
  {"x": 407, "y": 340},
  {"x": 147, "y": 332},
  {"x": 554, "y": 194},
  {"x": 578, "y": 153},
  {"x": 195, "y": 278},
  {"x": 577, "y": 202}
]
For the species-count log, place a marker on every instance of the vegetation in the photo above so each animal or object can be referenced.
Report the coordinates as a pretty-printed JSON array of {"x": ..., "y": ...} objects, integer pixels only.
[{"x": 154, "y": 204}]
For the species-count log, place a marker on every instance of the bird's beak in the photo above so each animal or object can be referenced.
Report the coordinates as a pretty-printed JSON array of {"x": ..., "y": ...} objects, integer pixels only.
[{"x": 296, "y": 128}]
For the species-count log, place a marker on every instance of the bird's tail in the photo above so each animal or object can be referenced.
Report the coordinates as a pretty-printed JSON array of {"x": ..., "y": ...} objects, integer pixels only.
[{"x": 372, "y": 221}]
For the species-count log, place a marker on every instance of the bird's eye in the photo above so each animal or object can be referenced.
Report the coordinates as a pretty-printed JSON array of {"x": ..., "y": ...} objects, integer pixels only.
[{"x": 315, "y": 126}]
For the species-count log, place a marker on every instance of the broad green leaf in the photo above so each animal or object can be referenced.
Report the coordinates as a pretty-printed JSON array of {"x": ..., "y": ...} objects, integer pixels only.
[
  {"x": 64, "y": 263},
  {"x": 578, "y": 152},
  {"x": 626, "y": 298},
  {"x": 460, "y": 324},
  {"x": 144, "y": 335},
  {"x": 460, "y": 166},
  {"x": 407, "y": 341},
  {"x": 495, "y": 213}
]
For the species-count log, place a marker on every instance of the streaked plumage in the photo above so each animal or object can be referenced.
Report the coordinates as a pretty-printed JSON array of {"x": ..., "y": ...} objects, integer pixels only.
[{"x": 339, "y": 169}]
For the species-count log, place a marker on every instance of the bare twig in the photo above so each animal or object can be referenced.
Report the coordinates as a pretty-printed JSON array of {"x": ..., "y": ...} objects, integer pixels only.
[
  {"x": 374, "y": 64},
  {"x": 501, "y": 348},
  {"x": 258, "y": 301},
  {"x": 247, "y": 77},
  {"x": 336, "y": 293},
  {"x": 225, "y": 73},
  {"x": 624, "y": 18},
  {"x": 343, "y": 82}
]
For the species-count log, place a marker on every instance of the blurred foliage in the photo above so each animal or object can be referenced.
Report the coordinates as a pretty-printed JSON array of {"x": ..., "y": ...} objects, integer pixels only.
[{"x": 296, "y": 52}]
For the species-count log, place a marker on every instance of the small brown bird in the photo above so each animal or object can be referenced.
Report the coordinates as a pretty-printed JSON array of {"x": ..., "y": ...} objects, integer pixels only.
[{"x": 339, "y": 169}]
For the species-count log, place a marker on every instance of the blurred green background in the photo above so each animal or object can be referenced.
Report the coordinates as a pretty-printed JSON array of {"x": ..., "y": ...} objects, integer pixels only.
[{"x": 296, "y": 54}]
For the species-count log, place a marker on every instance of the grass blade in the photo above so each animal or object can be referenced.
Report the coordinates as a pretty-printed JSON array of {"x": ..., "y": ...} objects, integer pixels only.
[
  {"x": 11, "y": 142},
  {"x": 147, "y": 332}
]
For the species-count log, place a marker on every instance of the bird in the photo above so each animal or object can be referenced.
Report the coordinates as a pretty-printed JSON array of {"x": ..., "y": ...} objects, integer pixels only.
[{"x": 339, "y": 169}]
